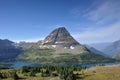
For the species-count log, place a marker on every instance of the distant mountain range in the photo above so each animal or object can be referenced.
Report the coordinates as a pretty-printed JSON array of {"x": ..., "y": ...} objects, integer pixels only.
[
  {"x": 92, "y": 49},
  {"x": 100, "y": 46},
  {"x": 8, "y": 50},
  {"x": 113, "y": 49},
  {"x": 58, "y": 47},
  {"x": 117, "y": 56}
]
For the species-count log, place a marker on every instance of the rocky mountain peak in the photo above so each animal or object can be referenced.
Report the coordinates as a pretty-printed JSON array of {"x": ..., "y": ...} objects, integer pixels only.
[{"x": 60, "y": 36}]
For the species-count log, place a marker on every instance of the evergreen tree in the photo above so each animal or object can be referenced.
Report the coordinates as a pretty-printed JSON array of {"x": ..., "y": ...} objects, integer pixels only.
[{"x": 15, "y": 76}]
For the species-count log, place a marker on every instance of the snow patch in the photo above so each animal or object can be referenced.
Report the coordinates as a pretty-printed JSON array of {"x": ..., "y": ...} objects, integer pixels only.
[
  {"x": 59, "y": 42},
  {"x": 42, "y": 43},
  {"x": 48, "y": 47},
  {"x": 71, "y": 47},
  {"x": 56, "y": 42},
  {"x": 44, "y": 46},
  {"x": 40, "y": 46},
  {"x": 54, "y": 46},
  {"x": 46, "y": 41}
]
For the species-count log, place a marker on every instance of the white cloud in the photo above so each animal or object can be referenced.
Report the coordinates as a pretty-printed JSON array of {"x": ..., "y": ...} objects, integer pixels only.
[
  {"x": 105, "y": 18},
  {"x": 107, "y": 34},
  {"x": 29, "y": 40},
  {"x": 100, "y": 11},
  {"x": 105, "y": 12}
]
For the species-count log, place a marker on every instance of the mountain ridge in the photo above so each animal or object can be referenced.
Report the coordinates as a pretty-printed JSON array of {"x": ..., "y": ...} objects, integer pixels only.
[
  {"x": 8, "y": 50},
  {"x": 59, "y": 36},
  {"x": 112, "y": 49}
]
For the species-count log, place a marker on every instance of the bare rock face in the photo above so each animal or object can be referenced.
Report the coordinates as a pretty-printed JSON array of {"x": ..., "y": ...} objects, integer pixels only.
[
  {"x": 62, "y": 42},
  {"x": 60, "y": 36}
]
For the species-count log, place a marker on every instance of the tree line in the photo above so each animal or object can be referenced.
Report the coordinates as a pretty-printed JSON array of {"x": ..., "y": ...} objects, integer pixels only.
[{"x": 63, "y": 72}]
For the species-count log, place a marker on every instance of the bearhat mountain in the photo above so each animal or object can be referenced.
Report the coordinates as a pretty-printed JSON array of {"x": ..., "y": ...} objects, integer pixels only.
[
  {"x": 62, "y": 42},
  {"x": 60, "y": 36}
]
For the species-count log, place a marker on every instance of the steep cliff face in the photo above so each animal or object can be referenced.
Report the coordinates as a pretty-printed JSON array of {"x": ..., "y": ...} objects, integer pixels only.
[{"x": 60, "y": 36}]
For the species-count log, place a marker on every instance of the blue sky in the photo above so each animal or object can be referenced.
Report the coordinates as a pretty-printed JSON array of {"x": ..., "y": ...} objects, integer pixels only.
[{"x": 89, "y": 21}]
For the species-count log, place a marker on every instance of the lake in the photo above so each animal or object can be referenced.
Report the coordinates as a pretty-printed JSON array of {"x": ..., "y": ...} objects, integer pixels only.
[{"x": 19, "y": 64}]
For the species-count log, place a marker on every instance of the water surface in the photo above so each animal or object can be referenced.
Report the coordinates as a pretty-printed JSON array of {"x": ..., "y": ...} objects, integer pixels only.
[{"x": 19, "y": 64}]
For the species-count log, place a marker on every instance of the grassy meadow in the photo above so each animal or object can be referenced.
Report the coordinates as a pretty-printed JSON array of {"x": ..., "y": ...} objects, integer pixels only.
[{"x": 103, "y": 73}]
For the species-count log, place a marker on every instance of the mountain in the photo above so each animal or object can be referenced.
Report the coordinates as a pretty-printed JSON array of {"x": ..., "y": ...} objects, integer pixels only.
[
  {"x": 6, "y": 43},
  {"x": 100, "y": 46},
  {"x": 117, "y": 56},
  {"x": 62, "y": 42},
  {"x": 25, "y": 45},
  {"x": 8, "y": 50},
  {"x": 112, "y": 49},
  {"x": 92, "y": 49},
  {"x": 60, "y": 36},
  {"x": 60, "y": 47}
]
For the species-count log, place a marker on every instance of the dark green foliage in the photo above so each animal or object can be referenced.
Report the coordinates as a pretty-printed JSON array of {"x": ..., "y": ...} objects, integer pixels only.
[
  {"x": 65, "y": 59},
  {"x": 32, "y": 73},
  {"x": 64, "y": 72},
  {"x": 14, "y": 76},
  {"x": 47, "y": 56},
  {"x": 54, "y": 74},
  {"x": 45, "y": 73},
  {"x": 36, "y": 55},
  {"x": 24, "y": 69},
  {"x": 9, "y": 75}
]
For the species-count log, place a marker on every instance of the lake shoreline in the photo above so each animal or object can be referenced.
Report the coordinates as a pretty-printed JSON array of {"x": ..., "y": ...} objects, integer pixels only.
[{"x": 20, "y": 64}]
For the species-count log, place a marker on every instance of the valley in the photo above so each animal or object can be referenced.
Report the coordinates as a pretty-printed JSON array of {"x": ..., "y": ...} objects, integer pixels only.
[
  {"x": 58, "y": 57},
  {"x": 59, "y": 40}
]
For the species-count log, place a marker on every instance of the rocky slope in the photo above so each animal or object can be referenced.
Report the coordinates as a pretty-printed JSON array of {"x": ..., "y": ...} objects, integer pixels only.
[{"x": 60, "y": 36}]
